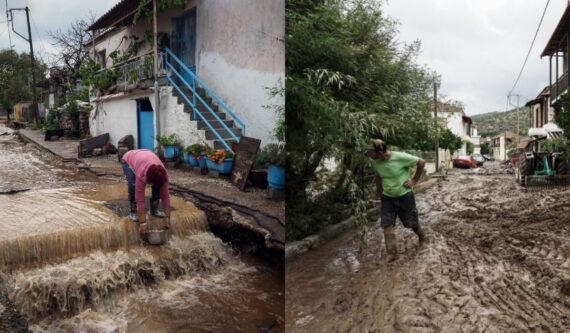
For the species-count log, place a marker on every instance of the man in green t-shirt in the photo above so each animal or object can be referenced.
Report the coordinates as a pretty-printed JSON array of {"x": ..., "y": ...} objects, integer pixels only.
[{"x": 394, "y": 186}]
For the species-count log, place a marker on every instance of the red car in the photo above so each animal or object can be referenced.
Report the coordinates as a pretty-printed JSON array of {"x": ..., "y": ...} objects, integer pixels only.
[{"x": 464, "y": 162}]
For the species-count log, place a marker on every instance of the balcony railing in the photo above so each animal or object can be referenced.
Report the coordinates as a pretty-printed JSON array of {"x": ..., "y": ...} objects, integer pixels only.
[
  {"x": 559, "y": 87},
  {"x": 137, "y": 72}
]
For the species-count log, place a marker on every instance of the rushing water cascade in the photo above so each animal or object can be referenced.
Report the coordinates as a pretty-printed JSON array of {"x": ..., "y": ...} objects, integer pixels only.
[{"x": 73, "y": 262}]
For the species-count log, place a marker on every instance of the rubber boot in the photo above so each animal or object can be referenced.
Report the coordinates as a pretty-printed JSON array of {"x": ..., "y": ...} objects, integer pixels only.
[
  {"x": 421, "y": 235},
  {"x": 154, "y": 211},
  {"x": 391, "y": 246}
]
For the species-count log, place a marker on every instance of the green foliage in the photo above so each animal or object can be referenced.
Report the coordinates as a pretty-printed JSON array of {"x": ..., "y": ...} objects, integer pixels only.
[
  {"x": 273, "y": 153},
  {"x": 92, "y": 75},
  {"x": 347, "y": 80},
  {"x": 168, "y": 140},
  {"x": 51, "y": 119},
  {"x": 557, "y": 145},
  {"x": 470, "y": 147},
  {"x": 196, "y": 149},
  {"x": 493, "y": 123},
  {"x": 449, "y": 141},
  {"x": 563, "y": 118},
  {"x": 72, "y": 112},
  {"x": 485, "y": 148},
  {"x": 16, "y": 77}
]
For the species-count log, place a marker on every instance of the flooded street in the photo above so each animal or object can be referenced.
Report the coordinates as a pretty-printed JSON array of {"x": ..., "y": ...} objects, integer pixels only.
[
  {"x": 72, "y": 260},
  {"x": 498, "y": 261}
]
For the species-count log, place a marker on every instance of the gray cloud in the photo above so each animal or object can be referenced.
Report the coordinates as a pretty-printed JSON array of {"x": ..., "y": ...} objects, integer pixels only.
[
  {"x": 46, "y": 16},
  {"x": 478, "y": 46}
]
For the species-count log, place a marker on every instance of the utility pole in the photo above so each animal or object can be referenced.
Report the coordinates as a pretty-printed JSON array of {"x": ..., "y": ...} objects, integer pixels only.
[
  {"x": 518, "y": 113},
  {"x": 29, "y": 40},
  {"x": 436, "y": 127}
]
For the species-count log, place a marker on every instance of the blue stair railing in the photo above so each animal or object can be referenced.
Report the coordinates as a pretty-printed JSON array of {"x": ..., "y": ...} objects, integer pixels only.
[{"x": 195, "y": 98}]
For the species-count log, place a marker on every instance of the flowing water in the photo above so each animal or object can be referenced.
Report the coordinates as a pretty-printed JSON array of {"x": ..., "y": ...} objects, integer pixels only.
[{"x": 72, "y": 260}]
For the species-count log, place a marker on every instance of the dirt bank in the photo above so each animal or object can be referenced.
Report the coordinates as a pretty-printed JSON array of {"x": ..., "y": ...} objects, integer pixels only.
[{"x": 498, "y": 261}]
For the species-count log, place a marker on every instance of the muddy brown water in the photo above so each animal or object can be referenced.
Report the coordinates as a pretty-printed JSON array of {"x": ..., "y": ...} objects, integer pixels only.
[
  {"x": 498, "y": 261},
  {"x": 72, "y": 264}
]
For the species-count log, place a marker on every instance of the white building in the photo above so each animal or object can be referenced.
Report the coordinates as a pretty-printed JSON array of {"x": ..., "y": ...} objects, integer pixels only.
[
  {"x": 218, "y": 61},
  {"x": 543, "y": 115},
  {"x": 461, "y": 125}
]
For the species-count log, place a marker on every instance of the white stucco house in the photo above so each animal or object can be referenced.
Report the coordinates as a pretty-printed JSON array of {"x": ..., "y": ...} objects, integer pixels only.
[
  {"x": 218, "y": 61},
  {"x": 461, "y": 125}
]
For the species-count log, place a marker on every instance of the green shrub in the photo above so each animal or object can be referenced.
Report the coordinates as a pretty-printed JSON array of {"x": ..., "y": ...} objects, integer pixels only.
[
  {"x": 273, "y": 153},
  {"x": 168, "y": 140}
]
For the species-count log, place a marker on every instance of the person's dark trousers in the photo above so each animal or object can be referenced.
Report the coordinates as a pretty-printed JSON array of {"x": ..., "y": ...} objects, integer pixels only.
[
  {"x": 130, "y": 175},
  {"x": 154, "y": 199}
]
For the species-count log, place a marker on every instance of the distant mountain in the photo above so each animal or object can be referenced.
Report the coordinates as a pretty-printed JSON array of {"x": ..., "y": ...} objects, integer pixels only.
[{"x": 493, "y": 123}]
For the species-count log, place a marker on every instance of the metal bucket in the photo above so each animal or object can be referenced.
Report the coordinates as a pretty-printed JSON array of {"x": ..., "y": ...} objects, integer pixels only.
[{"x": 157, "y": 236}]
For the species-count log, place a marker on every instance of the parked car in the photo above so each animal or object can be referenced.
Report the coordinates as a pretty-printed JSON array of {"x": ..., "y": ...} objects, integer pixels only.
[
  {"x": 464, "y": 162},
  {"x": 479, "y": 159},
  {"x": 488, "y": 157}
]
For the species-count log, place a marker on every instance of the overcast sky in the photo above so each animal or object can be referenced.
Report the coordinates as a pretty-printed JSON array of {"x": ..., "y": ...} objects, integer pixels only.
[
  {"x": 46, "y": 16},
  {"x": 478, "y": 46}
]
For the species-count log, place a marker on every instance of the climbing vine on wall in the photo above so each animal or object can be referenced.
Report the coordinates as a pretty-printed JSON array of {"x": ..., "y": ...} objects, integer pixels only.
[{"x": 161, "y": 5}]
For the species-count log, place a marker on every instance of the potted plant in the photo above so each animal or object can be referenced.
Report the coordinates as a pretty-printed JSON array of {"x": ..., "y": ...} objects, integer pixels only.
[
  {"x": 274, "y": 157},
  {"x": 195, "y": 154},
  {"x": 220, "y": 160},
  {"x": 170, "y": 145}
]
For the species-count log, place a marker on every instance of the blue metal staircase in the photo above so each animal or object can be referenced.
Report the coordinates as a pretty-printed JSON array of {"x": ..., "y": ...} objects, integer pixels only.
[{"x": 221, "y": 125}]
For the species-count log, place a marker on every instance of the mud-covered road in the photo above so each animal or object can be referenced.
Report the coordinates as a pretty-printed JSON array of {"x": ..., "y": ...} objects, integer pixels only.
[{"x": 498, "y": 261}]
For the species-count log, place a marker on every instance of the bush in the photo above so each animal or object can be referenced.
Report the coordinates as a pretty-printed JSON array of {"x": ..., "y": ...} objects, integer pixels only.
[
  {"x": 273, "y": 153},
  {"x": 196, "y": 149},
  {"x": 168, "y": 140},
  {"x": 51, "y": 120},
  {"x": 557, "y": 145}
]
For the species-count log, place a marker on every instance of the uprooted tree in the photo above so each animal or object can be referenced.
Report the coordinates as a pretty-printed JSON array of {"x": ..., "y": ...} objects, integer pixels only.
[{"x": 347, "y": 81}]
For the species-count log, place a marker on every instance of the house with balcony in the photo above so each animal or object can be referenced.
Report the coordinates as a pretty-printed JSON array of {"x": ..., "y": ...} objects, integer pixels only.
[
  {"x": 558, "y": 52},
  {"x": 209, "y": 71},
  {"x": 542, "y": 116}
]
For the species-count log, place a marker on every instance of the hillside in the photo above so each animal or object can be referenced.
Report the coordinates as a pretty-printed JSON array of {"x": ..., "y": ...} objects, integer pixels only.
[{"x": 493, "y": 123}]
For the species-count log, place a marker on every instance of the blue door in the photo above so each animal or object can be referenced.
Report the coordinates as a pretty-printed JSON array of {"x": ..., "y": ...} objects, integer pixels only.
[
  {"x": 145, "y": 119},
  {"x": 184, "y": 41}
]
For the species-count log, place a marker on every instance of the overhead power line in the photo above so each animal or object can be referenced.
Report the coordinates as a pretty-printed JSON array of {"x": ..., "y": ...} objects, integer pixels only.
[{"x": 530, "y": 48}]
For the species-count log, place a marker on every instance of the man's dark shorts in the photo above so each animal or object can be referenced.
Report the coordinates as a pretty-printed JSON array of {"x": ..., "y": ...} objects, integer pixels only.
[{"x": 403, "y": 207}]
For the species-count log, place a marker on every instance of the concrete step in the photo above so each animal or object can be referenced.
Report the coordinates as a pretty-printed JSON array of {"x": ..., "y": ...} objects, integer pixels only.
[
  {"x": 218, "y": 144},
  {"x": 210, "y": 135},
  {"x": 215, "y": 124}
]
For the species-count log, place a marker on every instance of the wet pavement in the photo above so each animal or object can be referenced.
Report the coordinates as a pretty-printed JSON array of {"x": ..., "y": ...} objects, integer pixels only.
[
  {"x": 498, "y": 261},
  {"x": 72, "y": 262}
]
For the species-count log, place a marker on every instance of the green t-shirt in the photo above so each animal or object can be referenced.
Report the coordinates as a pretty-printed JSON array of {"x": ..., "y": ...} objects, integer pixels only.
[{"x": 394, "y": 172}]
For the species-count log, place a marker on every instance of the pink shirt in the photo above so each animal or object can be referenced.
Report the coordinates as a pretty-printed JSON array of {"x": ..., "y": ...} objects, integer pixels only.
[{"x": 139, "y": 160}]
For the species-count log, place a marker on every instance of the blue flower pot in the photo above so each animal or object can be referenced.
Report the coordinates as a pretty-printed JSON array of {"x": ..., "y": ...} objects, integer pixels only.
[
  {"x": 223, "y": 168},
  {"x": 202, "y": 162},
  {"x": 170, "y": 152},
  {"x": 190, "y": 159},
  {"x": 211, "y": 165},
  {"x": 226, "y": 166},
  {"x": 276, "y": 177}
]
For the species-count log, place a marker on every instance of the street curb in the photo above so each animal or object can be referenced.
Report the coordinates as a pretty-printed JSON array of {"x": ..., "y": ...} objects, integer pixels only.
[
  {"x": 298, "y": 248},
  {"x": 44, "y": 148}
]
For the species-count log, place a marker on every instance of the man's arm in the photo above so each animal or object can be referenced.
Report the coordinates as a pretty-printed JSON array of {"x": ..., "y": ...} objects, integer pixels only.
[
  {"x": 379, "y": 189},
  {"x": 420, "y": 166}
]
